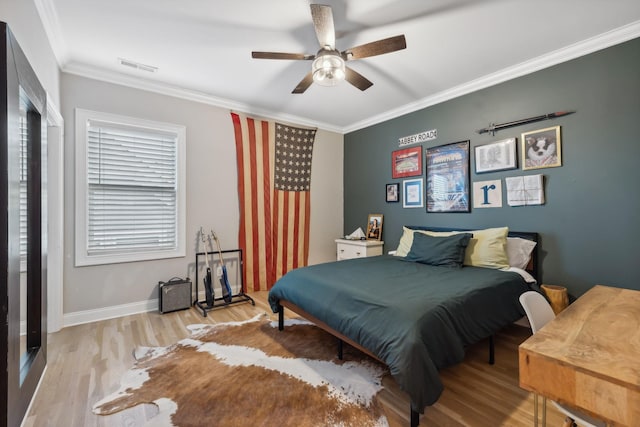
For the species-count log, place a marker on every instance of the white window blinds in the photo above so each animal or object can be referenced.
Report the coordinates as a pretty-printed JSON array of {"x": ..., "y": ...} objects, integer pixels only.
[
  {"x": 129, "y": 189},
  {"x": 23, "y": 185},
  {"x": 132, "y": 189}
]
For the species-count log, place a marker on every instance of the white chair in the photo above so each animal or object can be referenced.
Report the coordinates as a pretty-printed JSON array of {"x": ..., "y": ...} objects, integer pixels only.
[{"x": 539, "y": 313}]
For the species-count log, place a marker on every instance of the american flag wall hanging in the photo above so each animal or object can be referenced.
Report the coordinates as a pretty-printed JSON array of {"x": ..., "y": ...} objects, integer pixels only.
[{"x": 274, "y": 183}]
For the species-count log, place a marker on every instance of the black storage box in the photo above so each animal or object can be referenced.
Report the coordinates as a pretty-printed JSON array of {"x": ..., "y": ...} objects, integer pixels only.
[{"x": 174, "y": 294}]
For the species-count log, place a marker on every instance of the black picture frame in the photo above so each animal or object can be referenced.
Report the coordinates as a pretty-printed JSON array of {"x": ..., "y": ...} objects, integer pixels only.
[
  {"x": 496, "y": 156},
  {"x": 392, "y": 193},
  {"x": 448, "y": 178}
]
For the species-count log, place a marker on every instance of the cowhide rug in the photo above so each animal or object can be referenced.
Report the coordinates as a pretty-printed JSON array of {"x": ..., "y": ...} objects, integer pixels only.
[{"x": 251, "y": 374}]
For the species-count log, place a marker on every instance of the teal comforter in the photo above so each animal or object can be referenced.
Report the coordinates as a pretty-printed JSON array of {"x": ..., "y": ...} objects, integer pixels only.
[{"x": 415, "y": 317}]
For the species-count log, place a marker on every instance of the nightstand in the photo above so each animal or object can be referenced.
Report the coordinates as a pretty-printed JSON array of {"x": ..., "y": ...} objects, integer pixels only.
[{"x": 348, "y": 249}]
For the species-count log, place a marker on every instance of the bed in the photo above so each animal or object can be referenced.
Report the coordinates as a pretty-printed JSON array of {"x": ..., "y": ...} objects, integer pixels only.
[{"x": 414, "y": 317}]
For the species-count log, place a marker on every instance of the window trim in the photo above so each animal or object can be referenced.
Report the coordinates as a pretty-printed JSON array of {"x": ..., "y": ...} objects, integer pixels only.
[{"x": 82, "y": 258}]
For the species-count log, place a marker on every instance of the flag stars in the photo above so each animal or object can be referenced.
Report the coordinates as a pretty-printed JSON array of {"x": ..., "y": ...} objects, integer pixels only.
[{"x": 293, "y": 157}]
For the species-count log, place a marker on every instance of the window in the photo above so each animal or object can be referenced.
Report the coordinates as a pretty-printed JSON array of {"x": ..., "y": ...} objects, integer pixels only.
[{"x": 130, "y": 189}]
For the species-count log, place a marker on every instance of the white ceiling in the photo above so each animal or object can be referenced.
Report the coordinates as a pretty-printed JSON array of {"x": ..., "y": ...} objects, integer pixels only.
[{"x": 202, "y": 48}]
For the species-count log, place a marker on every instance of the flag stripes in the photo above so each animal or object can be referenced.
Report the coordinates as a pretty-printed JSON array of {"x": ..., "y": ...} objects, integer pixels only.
[{"x": 274, "y": 168}]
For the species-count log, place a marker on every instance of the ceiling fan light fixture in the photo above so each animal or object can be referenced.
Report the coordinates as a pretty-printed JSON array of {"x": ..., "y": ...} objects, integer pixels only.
[{"x": 328, "y": 68}]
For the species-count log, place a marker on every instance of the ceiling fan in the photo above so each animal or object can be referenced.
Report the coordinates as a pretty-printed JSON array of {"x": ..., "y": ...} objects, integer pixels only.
[{"x": 328, "y": 67}]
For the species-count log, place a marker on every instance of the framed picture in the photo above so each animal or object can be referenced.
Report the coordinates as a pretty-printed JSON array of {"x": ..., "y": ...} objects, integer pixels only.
[
  {"x": 448, "y": 178},
  {"x": 393, "y": 193},
  {"x": 496, "y": 156},
  {"x": 412, "y": 193},
  {"x": 541, "y": 148},
  {"x": 374, "y": 227},
  {"x": 407, "y": 162}
]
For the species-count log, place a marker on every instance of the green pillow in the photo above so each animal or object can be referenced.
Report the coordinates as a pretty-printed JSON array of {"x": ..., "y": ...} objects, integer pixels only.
[{"x": 439, "y": 251}]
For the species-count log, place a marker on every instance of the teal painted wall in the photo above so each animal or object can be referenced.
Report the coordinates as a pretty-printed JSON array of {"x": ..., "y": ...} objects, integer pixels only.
[{"x": 589, "y": 225}]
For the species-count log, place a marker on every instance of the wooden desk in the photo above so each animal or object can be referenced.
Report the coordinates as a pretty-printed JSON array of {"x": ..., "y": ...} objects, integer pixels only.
[{"x": 589, "y": 356}]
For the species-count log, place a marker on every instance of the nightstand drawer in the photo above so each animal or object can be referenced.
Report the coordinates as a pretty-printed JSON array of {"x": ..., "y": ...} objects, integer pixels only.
[
  {"x": 349, "y": 249},
  {"x": 348, "y": 252}
]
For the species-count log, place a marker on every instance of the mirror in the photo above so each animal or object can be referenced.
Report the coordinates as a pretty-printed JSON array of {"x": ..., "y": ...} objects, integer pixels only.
[
  {"x": 23, "y": 149},
  {"x": 24, "y": 176}
]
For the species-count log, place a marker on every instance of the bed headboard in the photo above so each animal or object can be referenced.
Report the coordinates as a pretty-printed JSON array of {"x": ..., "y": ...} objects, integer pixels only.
[{"x": 532, "y": 268}]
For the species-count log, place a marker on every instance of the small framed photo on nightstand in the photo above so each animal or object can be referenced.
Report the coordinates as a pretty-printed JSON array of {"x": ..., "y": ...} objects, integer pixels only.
[{"x": 374, "y": 227}]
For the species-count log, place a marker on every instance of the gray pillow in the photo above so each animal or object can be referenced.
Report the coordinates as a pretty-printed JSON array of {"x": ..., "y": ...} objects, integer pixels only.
[{"x": 440, "y": 251}]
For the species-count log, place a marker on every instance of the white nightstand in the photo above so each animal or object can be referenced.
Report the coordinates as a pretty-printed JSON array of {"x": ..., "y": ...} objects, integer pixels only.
[{"x": 348, "y": 249}]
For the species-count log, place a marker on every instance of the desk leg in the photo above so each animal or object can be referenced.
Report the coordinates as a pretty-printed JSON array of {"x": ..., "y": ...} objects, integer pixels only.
[{"x": 535, "y": 410}]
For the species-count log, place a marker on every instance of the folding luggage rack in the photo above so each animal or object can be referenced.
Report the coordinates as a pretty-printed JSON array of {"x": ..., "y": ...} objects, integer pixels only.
[{"x": 219, "y": 302}]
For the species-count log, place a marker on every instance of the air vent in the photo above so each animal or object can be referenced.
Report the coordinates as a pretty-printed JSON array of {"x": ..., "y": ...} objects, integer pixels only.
[{"x": 137, "y": 65}]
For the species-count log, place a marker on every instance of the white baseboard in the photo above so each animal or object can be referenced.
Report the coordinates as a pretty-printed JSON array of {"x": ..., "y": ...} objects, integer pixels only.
[{"x": 88, "y": 316}]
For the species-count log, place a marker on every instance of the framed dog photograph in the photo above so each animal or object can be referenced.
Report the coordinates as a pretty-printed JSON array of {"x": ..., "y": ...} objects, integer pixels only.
[{"x": 541, "y": 148}]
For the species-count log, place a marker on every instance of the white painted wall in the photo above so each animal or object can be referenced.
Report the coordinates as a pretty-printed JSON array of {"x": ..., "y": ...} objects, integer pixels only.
[
  {"x": 212, "y": 202},
  {"x": 101, "y": 291},
  {"x": 24, "y": 21}
]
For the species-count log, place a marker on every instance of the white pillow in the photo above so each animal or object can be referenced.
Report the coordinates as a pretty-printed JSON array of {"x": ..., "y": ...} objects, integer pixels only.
[
  {"x": 404, "y": 246},
  {"x": 519, "y": 251}
]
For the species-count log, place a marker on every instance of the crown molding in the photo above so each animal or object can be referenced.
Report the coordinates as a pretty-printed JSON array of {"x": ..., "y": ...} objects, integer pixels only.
[
  {"x": 51, "y": 24},
  {"x": 576, "y": 50},
  {"x": 101, "y": 74}
]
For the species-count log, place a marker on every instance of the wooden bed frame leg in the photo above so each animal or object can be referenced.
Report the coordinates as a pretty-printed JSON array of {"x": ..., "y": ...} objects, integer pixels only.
[
  {"x": 280, "y": 317},
  {"x": 415, "y": 418},
  {"x": 340, "y": 344},
  {"x": 492, "y": 351}
]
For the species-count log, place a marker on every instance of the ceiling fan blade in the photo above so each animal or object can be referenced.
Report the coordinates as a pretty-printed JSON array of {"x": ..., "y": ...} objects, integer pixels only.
[
  {"x": 280, "y": 55},
  {"x": 304, "y": 83},
  {"x": 376, "y": 48},
  {"x": 357, "y": 79},
  {"x": 323, "y": 24}
]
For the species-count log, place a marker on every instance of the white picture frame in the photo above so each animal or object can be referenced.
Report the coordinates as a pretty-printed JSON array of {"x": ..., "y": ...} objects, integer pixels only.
[{"x": 413, "y": 193}]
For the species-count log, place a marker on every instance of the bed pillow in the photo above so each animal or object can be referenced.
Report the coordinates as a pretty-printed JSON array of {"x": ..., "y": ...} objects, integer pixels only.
[
  {"x": 519, "y": 251},
  {"x": 439, "y": 251},
  {"x": 404, "y": 246},
  {"x": 488, "y": 248}
]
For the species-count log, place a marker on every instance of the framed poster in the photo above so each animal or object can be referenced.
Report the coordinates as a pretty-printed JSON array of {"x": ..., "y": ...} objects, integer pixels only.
[
  {"x": 393, "y": 191},
  {"x": 412, "y": 193},
  {"x": 407, "y": 162},
  {"x": 496, "y": 156},
  {"x": 541, "y": 148},
  {"x": 374, "y": 227},
  {"x": 448, "y": 178}
]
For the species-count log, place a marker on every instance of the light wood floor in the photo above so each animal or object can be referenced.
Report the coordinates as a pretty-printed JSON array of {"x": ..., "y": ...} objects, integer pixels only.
[{"x": 85, "y": 363}]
